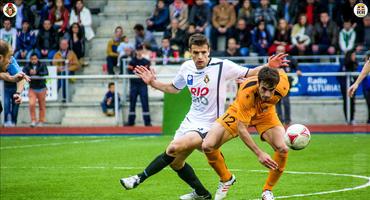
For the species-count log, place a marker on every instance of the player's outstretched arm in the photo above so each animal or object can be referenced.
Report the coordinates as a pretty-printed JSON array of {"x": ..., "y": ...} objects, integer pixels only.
[
  {"x": 263, "y": 157},
  {"x": 274, "y": 61},
  {"x": 364, "y": 72},
  {"x": 7, "y": 77},
  {"x": 16, "y": 78},
  {"x": 149, "y": 78}
]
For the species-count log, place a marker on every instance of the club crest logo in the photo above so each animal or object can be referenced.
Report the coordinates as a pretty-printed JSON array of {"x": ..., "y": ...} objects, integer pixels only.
[
  {"x": 360, "y": 10},
  {"x": 206, "y": 79},
  {"x": 9, "y": 10}
]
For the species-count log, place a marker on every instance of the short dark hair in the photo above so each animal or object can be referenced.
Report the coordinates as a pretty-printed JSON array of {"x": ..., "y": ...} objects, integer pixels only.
[
  {"x": 198, "y": 40},
  {"x": 269, "y": 76},
  {"x": 6, "y": 19},
  {"x": 118, "y": 27},
  {"x": 192, "y": 24},
  {"x": 110, "y": 84},
  {"x": 139, "y": 27},
  {"x": 34, "y": 54}
]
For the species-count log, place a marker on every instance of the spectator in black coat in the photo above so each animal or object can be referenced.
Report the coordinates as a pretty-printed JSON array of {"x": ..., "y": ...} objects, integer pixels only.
[
  {"x": 350, "y": 65},
  {"x": 37, "y": 89},
  {"x": 47, "y": 41},
  {"x": 77, "y": 41},
  {"x": 176, "y": 36},
  {"x": 242, "y": 36}
]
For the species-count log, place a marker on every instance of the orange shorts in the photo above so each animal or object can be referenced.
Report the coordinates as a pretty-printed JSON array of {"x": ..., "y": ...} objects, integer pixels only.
[{"x": 262, "y": 122}]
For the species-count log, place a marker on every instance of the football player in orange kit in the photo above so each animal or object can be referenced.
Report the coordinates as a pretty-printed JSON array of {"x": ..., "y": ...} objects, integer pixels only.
[{"x": 254, "y": 106}]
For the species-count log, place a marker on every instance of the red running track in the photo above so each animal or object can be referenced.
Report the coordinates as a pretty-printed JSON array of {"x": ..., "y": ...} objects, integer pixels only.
[{"x": 155, "y": 130}]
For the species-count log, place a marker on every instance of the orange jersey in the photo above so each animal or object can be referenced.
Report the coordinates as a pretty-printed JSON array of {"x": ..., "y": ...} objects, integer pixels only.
[{"x": 251, "y": 110}]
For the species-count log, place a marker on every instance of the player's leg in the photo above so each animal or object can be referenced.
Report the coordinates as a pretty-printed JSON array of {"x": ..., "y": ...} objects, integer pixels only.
[
  {"x": 187, "y": 174},
  {"x": 189, "y": 141},
  {"x": 211, "y": 144},
  {"x": 275, "y": 137}
]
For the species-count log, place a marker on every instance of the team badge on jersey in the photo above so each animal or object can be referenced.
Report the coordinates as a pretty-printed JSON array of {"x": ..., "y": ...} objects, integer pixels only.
[
  {"x": 190, "y": 79},
  {"x": 206, "y": 79}
]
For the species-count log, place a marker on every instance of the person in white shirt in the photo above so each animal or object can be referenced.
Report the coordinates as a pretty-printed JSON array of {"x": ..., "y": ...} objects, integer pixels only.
[
  {"x": 347, "y": 37},
  {"x": 206, "y": 79},
  {"x": 8, "y": 33},
  {"x": 81, "y": 15}
]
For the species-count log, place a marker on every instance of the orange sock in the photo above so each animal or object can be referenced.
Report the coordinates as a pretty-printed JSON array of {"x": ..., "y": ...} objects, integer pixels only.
[
  {"x": 217, "y": 161},
  {"x": 274, "y": 175}
]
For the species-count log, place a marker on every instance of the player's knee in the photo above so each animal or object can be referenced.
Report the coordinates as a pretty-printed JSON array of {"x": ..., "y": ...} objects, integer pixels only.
[
  {"x": 207, "y": 148},
  {"x": 173, "y": 148},
  {"x": 177, "y": 165},
  {"x": 283, "y": 149}
]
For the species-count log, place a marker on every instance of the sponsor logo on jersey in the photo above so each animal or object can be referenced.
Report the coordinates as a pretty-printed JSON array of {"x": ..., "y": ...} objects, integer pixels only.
[
  {"x": 190, "y": 79},
  {"x": 9, "y": 10},
  {"x": 199, "y": 91}
]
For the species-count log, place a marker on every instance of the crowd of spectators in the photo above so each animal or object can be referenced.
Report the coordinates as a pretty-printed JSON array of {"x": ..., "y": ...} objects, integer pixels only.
[
  {"x": 40, "y": 24},
  {"x": 307, "y": 27},
  {"x": 55, "y": 30}
]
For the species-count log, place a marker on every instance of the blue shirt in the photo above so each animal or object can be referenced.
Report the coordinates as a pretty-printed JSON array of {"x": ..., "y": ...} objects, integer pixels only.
[{"x": 13, "y": 67}]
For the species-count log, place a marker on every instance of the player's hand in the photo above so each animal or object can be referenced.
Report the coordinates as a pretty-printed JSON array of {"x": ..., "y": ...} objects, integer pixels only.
[
  {"x": 267, "y": 161},
  {"x": 352, "y": 89},
  {"x": 145, "y": 74},
  {"x": 17, "y": 98},
  {"x": 278, "y": 60},
  {"x": 18, "y": 77}
]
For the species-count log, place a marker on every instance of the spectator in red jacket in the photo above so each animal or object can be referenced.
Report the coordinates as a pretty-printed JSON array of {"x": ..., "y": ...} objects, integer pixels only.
[{"x": 59, "y": 17}]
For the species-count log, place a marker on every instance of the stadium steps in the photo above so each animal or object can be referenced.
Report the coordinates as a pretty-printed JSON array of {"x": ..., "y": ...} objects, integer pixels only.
[{"x": 125, "y": 13}]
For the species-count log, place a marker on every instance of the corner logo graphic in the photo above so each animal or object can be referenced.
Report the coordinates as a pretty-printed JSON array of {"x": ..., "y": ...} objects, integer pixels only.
[
  {"x": 360, "y": 10},
  {"x": 9, "y": 10}
]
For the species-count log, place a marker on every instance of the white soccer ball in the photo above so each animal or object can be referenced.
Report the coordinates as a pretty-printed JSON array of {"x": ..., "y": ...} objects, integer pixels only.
[{"x": 297, "y": 136}]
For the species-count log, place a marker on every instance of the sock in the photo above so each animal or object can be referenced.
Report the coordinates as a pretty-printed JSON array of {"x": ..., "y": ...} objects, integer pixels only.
[
  {"x": 274, "y": 175},
  {"x": 155, "y": 166},
  {"x": 217, "y": 161},
  {"x": 187, "y": 174}
]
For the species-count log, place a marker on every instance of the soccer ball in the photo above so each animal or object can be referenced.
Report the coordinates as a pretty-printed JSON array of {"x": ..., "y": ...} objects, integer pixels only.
[{"x": 297, "y": 136}]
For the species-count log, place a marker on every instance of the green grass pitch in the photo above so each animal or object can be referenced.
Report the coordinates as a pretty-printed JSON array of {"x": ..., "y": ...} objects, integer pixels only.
[{"x": 45, "y": 168}]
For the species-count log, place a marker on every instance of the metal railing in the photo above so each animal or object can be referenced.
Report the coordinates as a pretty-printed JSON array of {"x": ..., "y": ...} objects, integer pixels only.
[{"x": 116, "y": 79}]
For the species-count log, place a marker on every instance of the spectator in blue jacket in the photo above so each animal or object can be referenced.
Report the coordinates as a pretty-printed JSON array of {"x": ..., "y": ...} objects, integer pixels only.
[
  {"x": 26, "y": 41},
  {"x": 200, "y": 15},
  {"x": 144, "y": 37},
  {"x": 261, "y": 39},
  {"x": 23, "y": 13},
  {"x": 159, "y": 19},
  {"x": 108, "y": 101}
]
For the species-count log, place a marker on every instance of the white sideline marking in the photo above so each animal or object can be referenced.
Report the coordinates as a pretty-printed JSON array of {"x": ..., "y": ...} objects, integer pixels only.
[
  {"x": 367, "y": 184},
  {"x": 50, "y": 144}
]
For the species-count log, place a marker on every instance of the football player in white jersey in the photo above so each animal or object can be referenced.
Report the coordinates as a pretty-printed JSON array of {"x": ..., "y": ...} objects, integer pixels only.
[{"x": 206, "y": 80}]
